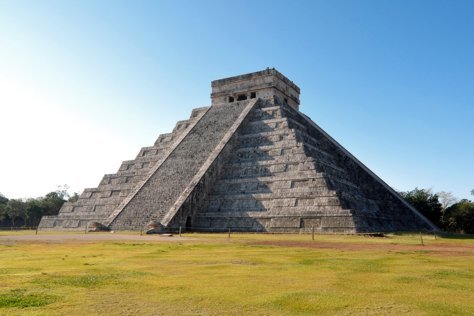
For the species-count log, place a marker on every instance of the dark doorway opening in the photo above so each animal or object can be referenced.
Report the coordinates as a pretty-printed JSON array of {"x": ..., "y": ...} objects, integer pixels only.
[
  {"x": 241, "y": 97},
  {"x": 188, "y": 223}
]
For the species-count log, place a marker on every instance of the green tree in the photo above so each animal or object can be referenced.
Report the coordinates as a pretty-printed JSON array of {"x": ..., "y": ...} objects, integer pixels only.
[
  {"x": 31, "y": 210},
  {"x": 3, "y": 214},
  {"x": 460, "y": 217},
  {"x": 53, "y": 202},
  {"x": 3, "y": 199},
  {"x": 3, "y": 209},
  {"x": 35, "y": 211},
  {"x": 16, "y": 209},
  {"x": 426, "y": 203}
]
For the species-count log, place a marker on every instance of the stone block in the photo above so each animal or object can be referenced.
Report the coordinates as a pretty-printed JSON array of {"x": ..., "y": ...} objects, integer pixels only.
[{"x": 252, "y": 162}]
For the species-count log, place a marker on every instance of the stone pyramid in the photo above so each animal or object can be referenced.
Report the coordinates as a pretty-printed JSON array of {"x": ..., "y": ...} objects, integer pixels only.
[{"x": 249, "y": 162}]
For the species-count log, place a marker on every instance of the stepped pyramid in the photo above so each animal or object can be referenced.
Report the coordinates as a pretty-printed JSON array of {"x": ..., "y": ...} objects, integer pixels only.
[{"x": 249, "y": 162}]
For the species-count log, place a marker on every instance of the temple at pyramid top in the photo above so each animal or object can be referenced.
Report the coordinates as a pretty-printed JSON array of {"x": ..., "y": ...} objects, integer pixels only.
[
  {"x": 251, "y": 161},
  {"x": 261, "y": 84}
]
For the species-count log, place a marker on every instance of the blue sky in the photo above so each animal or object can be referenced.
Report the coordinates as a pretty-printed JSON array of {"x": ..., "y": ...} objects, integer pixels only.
[{"x": 85, "y": 84}]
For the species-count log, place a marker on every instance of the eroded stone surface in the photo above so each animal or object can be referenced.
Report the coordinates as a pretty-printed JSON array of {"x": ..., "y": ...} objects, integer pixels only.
[{"x": 255, "y": 164}]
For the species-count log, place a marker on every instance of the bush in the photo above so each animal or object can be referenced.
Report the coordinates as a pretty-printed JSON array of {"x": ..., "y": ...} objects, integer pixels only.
[{"x": 459, "y": 217}]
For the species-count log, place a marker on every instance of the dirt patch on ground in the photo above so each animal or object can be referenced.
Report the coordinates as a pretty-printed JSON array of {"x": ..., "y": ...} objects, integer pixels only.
[
  {"x": 441, "y": 248},
  {"x": 91, "y": 237}
]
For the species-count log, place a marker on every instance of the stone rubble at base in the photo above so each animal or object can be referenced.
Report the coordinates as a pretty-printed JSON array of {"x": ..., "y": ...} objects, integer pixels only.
[{"x": 249, "y": 162}]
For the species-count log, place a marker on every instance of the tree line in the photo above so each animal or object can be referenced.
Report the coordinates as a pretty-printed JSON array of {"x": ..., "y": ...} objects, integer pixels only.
[
  {"x": 441, "y": 208},
  {"x": 28, "y": 212}
]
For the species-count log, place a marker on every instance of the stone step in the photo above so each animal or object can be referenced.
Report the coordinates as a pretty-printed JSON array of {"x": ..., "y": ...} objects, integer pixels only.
[
  {"x": 74, "y": 216},
  {"x": 260, "y": 204},
  {"x": 295, "y": 124},
  {"x": 331, "y": 171},
  {"x": 269, "y": 188},
  {"x": 278, "y": 132},
  {"x": 304, "y": 137},
  {"x": 284, "y": 176},
  {"x": 132, "y": 173},
  {"x": 267, "y": 153},
  {"x": 245, "y": 162},
  {"x": 180, "y": 126},
  {"x": 197, "y": 113},
  {"x": 268, "y": 145},
  {"x": 265, "y": 188},
  {"x": 77, "y": 224},
  {"x": 343, "y": 185},
  {"x": 257, "y": 139},
  {"x": 114, "y": 188},
  {"x": 273, "y": 155},
  {"x": 142, "y": 163},
  {"x": 107, "y": 189},
  {"x": 275, "y": 210},
  {"x": 152, "y": 152},
  {"x": 303, "y": 161},
  {"x": 277, "y": 181},
  {"x": 165, "y": 139},
  {"x": 265, "y": 170},
  {"x": 179, "y": 168},
  {"x": 278, "y": 194},
  {"x": 359, "y": 203},
  {"x": 290, "y": 212},
  {"x": 117, "y": 182},
  {"x": 264, "y": 126},
  {"x": 267, "y": 113},
  {"x": 113, "y": 200},
  {"x": 101, "y": 194},
  {"x": 127, "y": 165}
]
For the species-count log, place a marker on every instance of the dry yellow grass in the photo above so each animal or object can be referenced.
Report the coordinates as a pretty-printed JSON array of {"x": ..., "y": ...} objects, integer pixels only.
[{"x": 210, "y": 274}]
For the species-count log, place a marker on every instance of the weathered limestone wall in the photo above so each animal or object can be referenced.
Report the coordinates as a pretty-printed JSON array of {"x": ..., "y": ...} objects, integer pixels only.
[
  {"x": 385, "y": 210},
  {"x": 270, "y": 184},
  {"x": 195, "y": 196},
  {"x": 286, "y": 175},
  {"x": 96, "y": 204},
  {"x": 257, "y": 164},
  {"x": 162, "y": 189},
  {"x": 265, "y": 84}
]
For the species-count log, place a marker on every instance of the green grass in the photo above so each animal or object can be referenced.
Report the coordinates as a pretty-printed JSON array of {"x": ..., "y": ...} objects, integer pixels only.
[
  {"x": 209, "y": 274},
  {"x": 18, "y": 298}
]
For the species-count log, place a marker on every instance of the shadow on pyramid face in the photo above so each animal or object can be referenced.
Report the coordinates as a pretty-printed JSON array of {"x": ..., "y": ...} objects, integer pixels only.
[
  {"x": 260, "y": 128},
  {"x": 255, "y": 142},
  {"x": 252, "y": 154},
  {"x": 252, "y": 165},
  {"x": 238, "y": 195}
]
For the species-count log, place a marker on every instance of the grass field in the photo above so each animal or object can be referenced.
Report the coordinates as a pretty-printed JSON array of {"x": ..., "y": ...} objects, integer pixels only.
[{"x": 247, "y": 274}]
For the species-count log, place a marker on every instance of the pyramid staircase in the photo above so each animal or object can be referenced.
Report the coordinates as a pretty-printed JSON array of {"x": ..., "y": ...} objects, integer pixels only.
[
  {"x": 254, "y": 164},
  {"x": 270, "y": 183},
  {"x": 168, "y": 181},
  {"x": 97, "y": 204}
]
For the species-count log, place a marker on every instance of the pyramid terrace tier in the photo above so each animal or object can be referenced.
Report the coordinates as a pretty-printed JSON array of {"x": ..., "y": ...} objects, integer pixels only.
[
  {"x": 153, "y": 200},
  {"x": 250, "y": 162},
  {"x": 338, "y": 222},
  {"x": 96, "y": 204}
]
